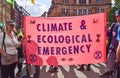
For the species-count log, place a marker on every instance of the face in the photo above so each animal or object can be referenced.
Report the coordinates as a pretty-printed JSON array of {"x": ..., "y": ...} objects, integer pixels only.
[
  {"x": 11, "y": 27},
  {"x": 118, "y": 18}
]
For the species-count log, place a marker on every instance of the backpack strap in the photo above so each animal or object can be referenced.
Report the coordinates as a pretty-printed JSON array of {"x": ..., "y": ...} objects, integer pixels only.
[{"x": 3, "y": 43}]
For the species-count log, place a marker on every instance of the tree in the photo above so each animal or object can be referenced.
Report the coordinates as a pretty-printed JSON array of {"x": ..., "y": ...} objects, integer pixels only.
[{"x": 111, "y": 14}]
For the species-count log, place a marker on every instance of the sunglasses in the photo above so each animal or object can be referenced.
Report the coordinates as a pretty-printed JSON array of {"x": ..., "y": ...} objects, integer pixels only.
[{"x": 12, "y": 25}]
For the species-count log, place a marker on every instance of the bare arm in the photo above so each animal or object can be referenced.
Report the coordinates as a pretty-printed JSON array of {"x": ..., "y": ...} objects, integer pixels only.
[
  {"x": 2, "y": 52},
  {"x": 118, "y": 53}
]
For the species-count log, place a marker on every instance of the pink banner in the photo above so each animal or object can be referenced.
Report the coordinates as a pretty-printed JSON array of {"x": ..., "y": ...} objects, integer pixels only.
[{"x": 65, "y": 40}]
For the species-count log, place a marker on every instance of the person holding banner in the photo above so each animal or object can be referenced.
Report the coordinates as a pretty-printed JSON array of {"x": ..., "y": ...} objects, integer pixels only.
[
  {"x": 1, "y": 30},
  {"x": 28, "y": 66},
  {"x": 118, "y": 49},
  {"x": 8, "y": 45}
]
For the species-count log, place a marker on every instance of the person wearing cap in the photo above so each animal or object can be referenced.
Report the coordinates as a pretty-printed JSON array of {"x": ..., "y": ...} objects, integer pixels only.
[
  {"x": 8, "y": 50},
  {"x": 118, "y": 49},
  {"x": 111, "y": 57}
]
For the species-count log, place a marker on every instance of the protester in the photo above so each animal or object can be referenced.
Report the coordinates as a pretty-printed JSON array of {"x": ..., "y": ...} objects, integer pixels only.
[
  {"x": 111, "y": 57},
  {"x": 1, "y": 30},
  {"x": 118, "y": 49},
  {"x": 1, "y": 27},
  {"x": 37, "y": 71},
  {"x": 28, "y": 66},
  {"x": 81, "y": 68},
  {"x": 20, "y": 52},
  {"x": 109, "y": 37},
  {"x": 8, "y": 45}
]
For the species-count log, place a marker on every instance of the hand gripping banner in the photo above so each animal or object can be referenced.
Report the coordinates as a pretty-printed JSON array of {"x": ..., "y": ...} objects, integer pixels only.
[{"x": 65, "y": 40}]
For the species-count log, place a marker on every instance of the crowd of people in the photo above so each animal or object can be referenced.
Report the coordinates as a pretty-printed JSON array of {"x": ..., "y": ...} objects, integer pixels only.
[{"x": 11, "y": 51}]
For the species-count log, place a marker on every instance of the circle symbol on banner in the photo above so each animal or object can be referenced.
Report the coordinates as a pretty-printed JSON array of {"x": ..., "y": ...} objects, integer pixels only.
[
  {"x": 33, "y": 57},
  {"x": 98, "y": 55}
]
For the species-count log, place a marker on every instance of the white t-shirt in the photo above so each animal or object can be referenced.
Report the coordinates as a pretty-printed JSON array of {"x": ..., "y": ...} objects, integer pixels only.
[{"x": 10, "y": 44}]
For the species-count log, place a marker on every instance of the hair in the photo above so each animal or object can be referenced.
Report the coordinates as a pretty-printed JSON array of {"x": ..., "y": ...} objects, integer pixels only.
[{"x": 8, "y": 22}]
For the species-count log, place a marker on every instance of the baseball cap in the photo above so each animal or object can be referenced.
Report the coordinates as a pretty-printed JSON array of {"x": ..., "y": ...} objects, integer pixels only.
[
  {"x": 117, "y": 13},
  {"x": 10, "y": 22}
]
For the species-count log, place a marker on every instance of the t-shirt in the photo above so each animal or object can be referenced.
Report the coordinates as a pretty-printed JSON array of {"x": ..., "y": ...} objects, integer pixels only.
[
  {"x": 113, "y": 36},
  {"x": 118, "y": 36},
  {"x": 10, "y": 44}
]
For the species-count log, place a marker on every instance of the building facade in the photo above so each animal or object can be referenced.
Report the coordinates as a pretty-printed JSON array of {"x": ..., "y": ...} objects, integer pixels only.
[
  {"x": 5, "y": 11},
  {"x": 61, "y": 8},
  {"x": 16, "y": 14}
]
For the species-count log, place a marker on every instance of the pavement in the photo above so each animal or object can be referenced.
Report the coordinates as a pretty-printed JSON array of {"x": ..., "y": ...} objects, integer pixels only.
[{"x": 67, "y": 71}]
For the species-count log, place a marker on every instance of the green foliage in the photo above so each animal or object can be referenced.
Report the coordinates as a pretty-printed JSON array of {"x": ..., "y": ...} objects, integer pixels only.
[
  {"x": 111, "y": 15},
  {"x": 117, "y": 4}
]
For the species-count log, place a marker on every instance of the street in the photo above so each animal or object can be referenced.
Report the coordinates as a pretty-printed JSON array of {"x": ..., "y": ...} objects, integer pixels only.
[{"x": 68, "y": 72}]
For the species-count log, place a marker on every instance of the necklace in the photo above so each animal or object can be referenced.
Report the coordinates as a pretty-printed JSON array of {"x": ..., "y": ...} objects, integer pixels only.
[{"x": 10, "y": 34}]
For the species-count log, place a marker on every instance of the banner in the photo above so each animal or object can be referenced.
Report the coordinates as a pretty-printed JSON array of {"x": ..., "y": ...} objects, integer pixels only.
[{"x": 65, "y": 40}]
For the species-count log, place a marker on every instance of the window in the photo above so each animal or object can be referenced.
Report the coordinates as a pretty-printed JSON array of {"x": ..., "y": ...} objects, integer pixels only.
[
  {"x": 74, "y": 11},
  {"x": 65, "y": 1},
  {"x": 80, "y": 12},
  {"x": 97, "y": 10},
  {"x": 75, "y": 1},
  {"x": 84, "y": 11},
  {"x": 100, "y": 1},
  {"x": 89, "y": 11},
  {"x": 67, "y": 11},
  {"x": 102, "y": 10},
  {"x": 82, "y": 2},
  {"x": 63, "y": 11},
  {"x": 90, "y": 1}
]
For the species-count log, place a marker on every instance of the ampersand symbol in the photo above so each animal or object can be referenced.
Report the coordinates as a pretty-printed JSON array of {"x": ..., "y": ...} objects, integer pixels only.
[{"x": 82, "y": 26}]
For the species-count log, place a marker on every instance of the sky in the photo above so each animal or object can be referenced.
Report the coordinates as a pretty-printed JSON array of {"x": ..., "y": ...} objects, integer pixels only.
[{"x": 38, "y": 8}]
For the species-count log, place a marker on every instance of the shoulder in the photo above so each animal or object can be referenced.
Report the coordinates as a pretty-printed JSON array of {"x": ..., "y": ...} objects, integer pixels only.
[
  {"x": 1, "y": 37},
  {"x": 115, "y": 27}
]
